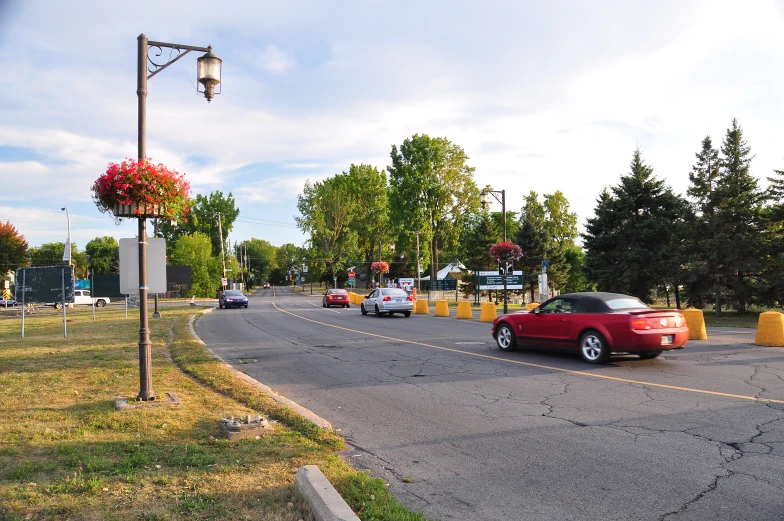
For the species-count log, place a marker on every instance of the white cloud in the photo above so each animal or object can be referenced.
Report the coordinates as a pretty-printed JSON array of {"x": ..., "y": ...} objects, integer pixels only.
[{"x": 274, "y": 60}]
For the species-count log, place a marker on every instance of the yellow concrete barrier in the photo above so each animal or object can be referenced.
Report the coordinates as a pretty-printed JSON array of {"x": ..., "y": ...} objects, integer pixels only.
[
  {"x": 770, "y": 329},
  {"x": 422, "y": 307},
  {"x": 696, "y": 323},
  {"x": 488, "y": 312},
  {"x": 464, "y": 310},
  {"x": 531, "y": 305},
  {"x": 442, "y": 308}
]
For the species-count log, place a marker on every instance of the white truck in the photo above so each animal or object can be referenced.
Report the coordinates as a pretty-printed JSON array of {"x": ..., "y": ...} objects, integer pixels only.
[{"x": 82, "y": 298}]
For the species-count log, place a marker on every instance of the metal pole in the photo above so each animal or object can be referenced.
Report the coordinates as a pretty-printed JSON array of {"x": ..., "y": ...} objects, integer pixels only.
[
  {"x": 155, "y": 313},
  {"x": 503, "y": 211},
  {"x": 145, "y": 352},
  {"x": 65, "y": 322},
  {"x": 92, "y": 290},
  {"x": 223, "y": 254},
  {"x": 24, "y": 294},
  {"x": 419, "y": 268}
]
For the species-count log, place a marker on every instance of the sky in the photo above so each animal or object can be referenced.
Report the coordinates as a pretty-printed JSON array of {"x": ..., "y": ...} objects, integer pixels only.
[{"x": 542, "y": 96}]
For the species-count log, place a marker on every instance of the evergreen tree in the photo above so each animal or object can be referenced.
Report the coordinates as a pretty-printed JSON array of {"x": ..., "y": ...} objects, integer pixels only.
[
  {"x": 477, "y": 238},
  {"x": 533, "y": 239},
  {"x": 701, "y": 248},
  {"x": 738, "y": 218},
  {"x": 628, "y": 243}
]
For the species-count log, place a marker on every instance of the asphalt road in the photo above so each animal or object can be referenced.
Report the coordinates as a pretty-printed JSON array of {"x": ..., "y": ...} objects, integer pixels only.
[{"x": 463, "y": 431}]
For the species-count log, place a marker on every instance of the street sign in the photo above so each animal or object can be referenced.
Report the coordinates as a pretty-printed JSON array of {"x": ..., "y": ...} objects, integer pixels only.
[
  {"x": 505, "y": 267},
  {"x": 351, "y": 275},
  {"x": 304, "y": 268},
  {"x": 545, "y": 263},
  {"x": 351, "y": 282},
  {"x": 224, "y": 281},
  {"x": 442, "y": 285},
  {"x": 492, "y": 280}
]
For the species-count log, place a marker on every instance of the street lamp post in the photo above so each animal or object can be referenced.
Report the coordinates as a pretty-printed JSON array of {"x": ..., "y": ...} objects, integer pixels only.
[
  {"x": 67, "y": 251},
  {"x": 209, "y": 76},
  {"x": 485, "y": 200}
]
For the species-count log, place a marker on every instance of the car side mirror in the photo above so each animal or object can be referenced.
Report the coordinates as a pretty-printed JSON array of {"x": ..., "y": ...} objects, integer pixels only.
[{"x": 537, "y": 310}]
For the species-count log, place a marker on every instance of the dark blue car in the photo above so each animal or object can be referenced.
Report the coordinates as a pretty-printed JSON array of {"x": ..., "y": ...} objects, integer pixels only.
[{"x": 232, "y": 298}]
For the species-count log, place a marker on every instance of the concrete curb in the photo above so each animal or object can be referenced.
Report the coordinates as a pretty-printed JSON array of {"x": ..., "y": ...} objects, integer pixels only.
[
  {"x": 325, "y": 502},
  {"x": 306, "y": 413}
]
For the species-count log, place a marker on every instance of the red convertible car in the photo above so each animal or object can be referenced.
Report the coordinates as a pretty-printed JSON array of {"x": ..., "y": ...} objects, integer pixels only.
[{"x": 595, "y": 323}]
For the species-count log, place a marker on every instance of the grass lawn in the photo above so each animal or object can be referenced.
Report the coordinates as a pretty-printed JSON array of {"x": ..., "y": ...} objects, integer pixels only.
[{"x": 66, "y": 453}]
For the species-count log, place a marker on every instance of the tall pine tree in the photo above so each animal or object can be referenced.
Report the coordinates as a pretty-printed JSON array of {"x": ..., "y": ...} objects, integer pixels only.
[
  {"x": 738, "y": 218},
  {"x": 628, "y": 243},
  {"x": 532, "y": 238}
]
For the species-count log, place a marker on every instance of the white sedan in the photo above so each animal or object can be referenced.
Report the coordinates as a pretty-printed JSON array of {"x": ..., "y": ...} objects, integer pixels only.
[{"x": 389, "y": 301}]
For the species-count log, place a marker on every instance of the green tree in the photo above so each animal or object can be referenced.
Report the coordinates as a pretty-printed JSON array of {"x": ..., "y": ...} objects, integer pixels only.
[
  {"x": 432, "y": 191},
  {"x": 104, "y": 255},
  {"x": 772, "y": 275},
  {"x": 738, "y": 218},
  {"x": 628, "y": 242},
  {"x": 203, "y": 218},
  {"x": 477, "y": 238},
  {"x": 328, "y": 210},
  {"x": 51, "y": 254},
  {"x": 561, "y": 230},
  {"x": 261, "y": 259},
  {"x": 575, "y": 279},
  {"x": 369, "y": 189},
  {"x": 13, "y": 249},
  {"x": 701, "y": 248},
  {"x": 533, "y": 239},
  {"x": 196, "y": 251}
]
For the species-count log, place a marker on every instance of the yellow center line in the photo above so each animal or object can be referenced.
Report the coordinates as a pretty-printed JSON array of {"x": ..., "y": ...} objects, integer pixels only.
[{"x": 540, "y": 366}]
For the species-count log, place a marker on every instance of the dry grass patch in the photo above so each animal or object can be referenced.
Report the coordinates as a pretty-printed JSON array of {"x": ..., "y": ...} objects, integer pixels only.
[{"x": 66, "y": 453}]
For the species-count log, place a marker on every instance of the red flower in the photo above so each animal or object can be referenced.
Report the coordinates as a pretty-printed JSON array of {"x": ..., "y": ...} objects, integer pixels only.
[
  {"x": 506, "y": 250},
  {"x": 380, "y": 267},
  {"x": 137, "y": 182}
]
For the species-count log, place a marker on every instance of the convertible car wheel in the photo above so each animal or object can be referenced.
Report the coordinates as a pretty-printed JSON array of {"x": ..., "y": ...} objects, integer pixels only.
[
  {"x": 593, "y": 348},
  {"x": 505, "y": 338}
]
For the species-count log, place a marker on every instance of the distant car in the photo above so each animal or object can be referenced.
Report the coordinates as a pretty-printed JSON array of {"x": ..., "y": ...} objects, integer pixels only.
[
  {"x": 82, "y": 298},
  {"x": 232, "y": 298},
  {"x": 266, "y": 285},
  {"x": 335, "y": 297},
  {"x": 597, "y": 324},
  {"x": 388, "y": 301},
  {"x": 7, "y": 303}
]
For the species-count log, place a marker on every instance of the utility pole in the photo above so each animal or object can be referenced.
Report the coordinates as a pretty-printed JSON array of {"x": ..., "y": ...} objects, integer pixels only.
[{"x": 223, "y": 254}]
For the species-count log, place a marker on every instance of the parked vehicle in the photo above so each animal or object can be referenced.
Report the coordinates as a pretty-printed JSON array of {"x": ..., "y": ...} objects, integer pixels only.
[
  {"x": 387, "y": 301},
  {"x": 232, "y": 298},
  {"x": 82, "y": 297},
  {"x": 335, "y": 297},
  {"x": 597, "y": 324},
  {"x": 7, "y": 302}
]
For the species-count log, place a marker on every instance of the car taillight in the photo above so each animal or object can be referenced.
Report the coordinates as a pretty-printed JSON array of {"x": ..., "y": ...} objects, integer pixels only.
[
  {"x": 410, "y": 298},
  {"x": 387, "y": 298},
  {"x": 640, "y": 324}
]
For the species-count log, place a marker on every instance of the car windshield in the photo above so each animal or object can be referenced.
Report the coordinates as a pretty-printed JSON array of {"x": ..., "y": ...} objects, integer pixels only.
[
  {"x": 393, "y": 292},
  {"x": 337, "y": 292},
  {"x": 625, "y": 303},
  {"x": 232, "y": 293}
]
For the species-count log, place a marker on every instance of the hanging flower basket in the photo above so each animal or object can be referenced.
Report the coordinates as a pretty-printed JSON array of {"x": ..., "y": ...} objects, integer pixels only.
[
  {"x": 380, "y": 267},
  {"x": 142, "y": 189},
  {"x": 506, "y": 250}
]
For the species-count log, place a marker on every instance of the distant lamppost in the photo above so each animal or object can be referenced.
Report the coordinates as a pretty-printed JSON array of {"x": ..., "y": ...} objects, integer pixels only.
[
  {"x": 484, "y": 198},
  {"x": 208, "y": 75},
  {"x": 67, "y": 251}
]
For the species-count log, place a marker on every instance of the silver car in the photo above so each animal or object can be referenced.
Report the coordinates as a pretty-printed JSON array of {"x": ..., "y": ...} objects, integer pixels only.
[{"x": 389, "y": 301}]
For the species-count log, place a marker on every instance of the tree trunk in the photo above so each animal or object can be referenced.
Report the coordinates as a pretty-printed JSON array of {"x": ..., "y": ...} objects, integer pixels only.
[
  {"x": 677, "y": 298},
  {"x": 740, "y": 290},
  {"x": 718, "y": 303}
]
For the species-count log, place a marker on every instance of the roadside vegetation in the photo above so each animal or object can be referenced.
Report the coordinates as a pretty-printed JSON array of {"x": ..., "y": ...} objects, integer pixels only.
[{"x": 67, "y": 453}]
